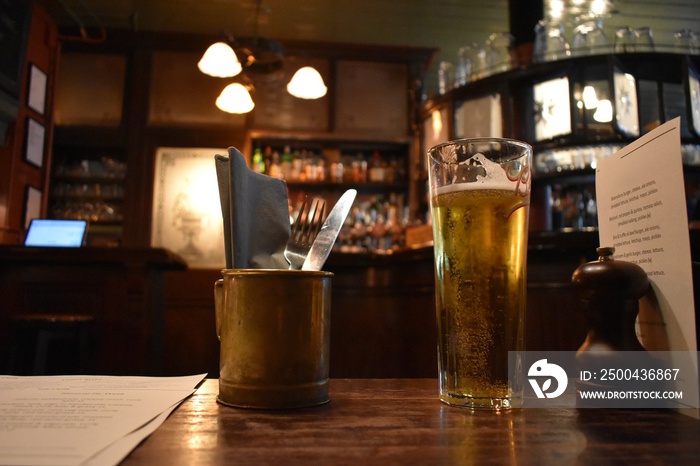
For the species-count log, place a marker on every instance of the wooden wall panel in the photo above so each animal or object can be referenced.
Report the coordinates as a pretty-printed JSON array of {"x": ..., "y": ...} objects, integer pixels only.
[
  {"x": 372, "y": 98},
  {"x": 90, "y": 89},
  {"x": 42, "y": 52},
  {"x": 276, "y": 109},
  {"x": 183, "y": 95}
]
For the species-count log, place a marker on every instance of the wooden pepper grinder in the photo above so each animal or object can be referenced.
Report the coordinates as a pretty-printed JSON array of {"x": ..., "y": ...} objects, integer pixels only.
[{"x": 610, "y": 291}]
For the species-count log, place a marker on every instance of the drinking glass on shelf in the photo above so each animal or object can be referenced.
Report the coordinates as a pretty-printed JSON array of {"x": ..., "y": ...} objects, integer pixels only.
[
  {"x": 624, "y": 40},
  {"x": 589, "y": 37},
  {"x": 445, "y": 77},
  {"x": 550, "y": 42},
  {"x": 687, "y": 41},
  {"x": 499, "y": 46},
  {"x": 464, "y": 65},
  {"x": 579, "y": 44},
  {"x": 480, "y": 66},
  {"x": 643, "y": 39}
]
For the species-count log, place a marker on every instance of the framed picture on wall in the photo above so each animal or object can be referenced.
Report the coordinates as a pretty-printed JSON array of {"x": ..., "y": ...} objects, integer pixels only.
[
  {"x": 34, "y": 142},
  {"x": 186, "y": 208},
  {"x": 32, "y": 205},
  {"x": 36, "y": 95}
]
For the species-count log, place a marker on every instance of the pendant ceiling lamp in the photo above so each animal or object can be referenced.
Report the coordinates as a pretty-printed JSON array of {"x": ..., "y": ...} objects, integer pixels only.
[
  {"x": 254, "y": 59},
  {"x": 235, "y": 98},
  {"x": 220, "y": 61},
  {"x": 307, "y": 83}
]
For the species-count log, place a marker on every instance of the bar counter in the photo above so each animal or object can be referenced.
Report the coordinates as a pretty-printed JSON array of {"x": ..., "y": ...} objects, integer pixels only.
[
  {"x": 120, "y": 288},
  {"x": 401, "y": 421}
]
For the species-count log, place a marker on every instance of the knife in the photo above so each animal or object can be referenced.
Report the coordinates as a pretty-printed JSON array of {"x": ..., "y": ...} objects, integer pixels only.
[{"x": 322, "y": 245}]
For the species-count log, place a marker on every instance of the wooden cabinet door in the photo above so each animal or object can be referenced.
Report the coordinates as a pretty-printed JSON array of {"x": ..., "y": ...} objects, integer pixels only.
[
  {"x": 277, "y": 109},
  {"x": 372, "y": 98}
]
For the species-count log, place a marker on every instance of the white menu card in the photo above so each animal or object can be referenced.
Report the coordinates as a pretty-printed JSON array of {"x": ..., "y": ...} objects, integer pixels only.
[
  {"x": 642, "y": 213},
  {"x": 83, "y": 420}
]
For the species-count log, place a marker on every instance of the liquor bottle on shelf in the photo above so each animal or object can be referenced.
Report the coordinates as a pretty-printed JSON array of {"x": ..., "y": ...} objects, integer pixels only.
[
  {"x": 389, "y": 175},
  {"x": 359, "y": 169},
  {"x": 258, "y": 161},
  {"x": 295, "y": 174},
  {"x": 377, "y": 224},
  {"x": 267, "y": 158},
  {"x": 321, "y": 170},
  {"x": 337, "y": 172},
  {"x": 376, "y": 170},
  {"x": 275, "y": 170},
  {"x": 286, "y": 164}
]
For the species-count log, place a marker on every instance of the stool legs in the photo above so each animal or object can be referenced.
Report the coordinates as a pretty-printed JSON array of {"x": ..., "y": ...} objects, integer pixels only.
[{"x": 51, "y": 345}]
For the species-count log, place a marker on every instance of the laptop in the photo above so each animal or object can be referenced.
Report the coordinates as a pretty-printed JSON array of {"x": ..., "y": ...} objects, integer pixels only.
[{"x": 56, "y": 233}]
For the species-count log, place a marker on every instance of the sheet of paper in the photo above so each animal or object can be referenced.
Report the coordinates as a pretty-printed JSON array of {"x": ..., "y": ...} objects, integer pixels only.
[
  {"x": 642, "y": 213},
  {"x": 66, "y": 420},
  {"x": 116, "y": 452}
]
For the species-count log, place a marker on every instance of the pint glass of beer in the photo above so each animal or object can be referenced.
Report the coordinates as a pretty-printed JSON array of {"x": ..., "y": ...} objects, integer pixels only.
[{"x": 480, "y": 200}]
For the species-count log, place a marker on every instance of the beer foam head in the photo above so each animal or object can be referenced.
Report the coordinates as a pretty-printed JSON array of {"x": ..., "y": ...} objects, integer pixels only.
[{"x": 477, "y": 172}]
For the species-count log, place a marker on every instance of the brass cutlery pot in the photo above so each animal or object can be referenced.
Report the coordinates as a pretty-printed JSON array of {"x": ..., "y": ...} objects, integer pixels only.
[{"x": 274, "y": 329}]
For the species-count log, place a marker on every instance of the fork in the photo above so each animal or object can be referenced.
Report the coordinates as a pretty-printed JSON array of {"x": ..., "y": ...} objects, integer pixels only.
[{"x": 304, "y": 231}]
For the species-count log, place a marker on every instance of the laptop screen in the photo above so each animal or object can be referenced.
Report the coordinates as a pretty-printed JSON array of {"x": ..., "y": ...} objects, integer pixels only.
[{"x": 56, "y": 233}]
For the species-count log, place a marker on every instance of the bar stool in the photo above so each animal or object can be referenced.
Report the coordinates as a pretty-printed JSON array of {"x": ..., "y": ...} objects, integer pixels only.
[{"x": 51, "y": 344}]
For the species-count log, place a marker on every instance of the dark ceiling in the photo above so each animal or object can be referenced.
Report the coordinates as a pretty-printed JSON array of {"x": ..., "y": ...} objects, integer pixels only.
[
  {"x": 431, "y": 23},
  {"x": 445, "y": 25}
]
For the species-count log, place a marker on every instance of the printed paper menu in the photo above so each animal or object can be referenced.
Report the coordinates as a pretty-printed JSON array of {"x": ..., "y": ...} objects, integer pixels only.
[
  {"x": 76, "y": 420},
  {"x": 642, "y": 213}
]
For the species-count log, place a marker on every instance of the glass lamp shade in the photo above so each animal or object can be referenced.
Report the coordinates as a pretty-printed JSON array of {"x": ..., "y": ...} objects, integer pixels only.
[
  {"x": 307, "y": 83},
  {"x": 220, "y": 61},
  {"x": 235, "y": 98}
]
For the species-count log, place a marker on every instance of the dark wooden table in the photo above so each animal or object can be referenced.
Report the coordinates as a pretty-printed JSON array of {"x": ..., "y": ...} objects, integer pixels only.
[{"x": 401, "y": 421}]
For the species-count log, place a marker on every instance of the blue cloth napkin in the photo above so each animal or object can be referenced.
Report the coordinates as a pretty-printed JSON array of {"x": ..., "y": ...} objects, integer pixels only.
[{"x": 255, "y": 213}]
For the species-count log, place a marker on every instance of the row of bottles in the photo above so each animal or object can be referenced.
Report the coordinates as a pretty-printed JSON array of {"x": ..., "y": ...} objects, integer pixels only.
[
  {"x": 375, "y": 224},
  {"x": 307, "y": 166}
]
